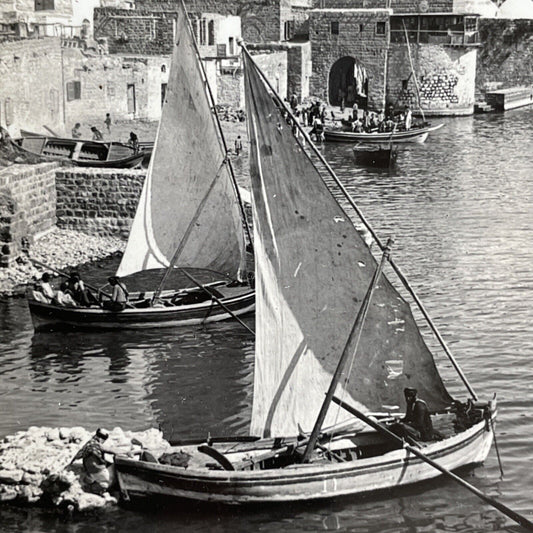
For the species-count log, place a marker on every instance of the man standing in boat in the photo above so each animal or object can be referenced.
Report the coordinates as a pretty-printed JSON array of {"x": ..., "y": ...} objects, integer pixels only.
[{"x": 408, "y": 118}]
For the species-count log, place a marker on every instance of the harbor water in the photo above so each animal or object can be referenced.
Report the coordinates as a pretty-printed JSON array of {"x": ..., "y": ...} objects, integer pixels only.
[{"x": 460, "y": 208}]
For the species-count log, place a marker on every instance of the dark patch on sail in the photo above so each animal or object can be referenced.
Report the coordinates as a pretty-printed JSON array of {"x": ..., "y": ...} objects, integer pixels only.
[{"x": 266, "y": 150}]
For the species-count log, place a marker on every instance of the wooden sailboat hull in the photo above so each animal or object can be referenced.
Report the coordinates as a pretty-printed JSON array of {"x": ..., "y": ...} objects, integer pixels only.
[
  {"x": 415, "y": 135},
  {"x": 82, "y": 153},
  {"x": 302, "y": 482},
  {"x": 46, "y": 316},
  {"x": 381, "y": 157}
]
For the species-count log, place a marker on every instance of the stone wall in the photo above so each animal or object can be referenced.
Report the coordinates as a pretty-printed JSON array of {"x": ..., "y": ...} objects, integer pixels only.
[
  {"x": 126, "y": 87},
  {"x": 446, "y": 78},
  {"x": 357, "y": 38},
  {"x": 27, "y": 206},
  {"x": 98, "y": 201},
  {"x": 299, "y": 69},
  {"x": 148, "y": 29},
  {"x": 505, "y": 59},
  {"x": 135, "y": 31},
  {"x": 399, "y": 6},
  {"x": 31, "y": 93}
]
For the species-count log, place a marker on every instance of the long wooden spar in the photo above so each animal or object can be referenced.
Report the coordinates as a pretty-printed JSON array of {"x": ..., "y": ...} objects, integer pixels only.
[
  {"x": 217, "y": 300},
  {"x": 222, "y": 138},
  {"x": 367, "y": 225},
  {"x": 349, "y": 351},
  {"x": 522, "y": 520}
]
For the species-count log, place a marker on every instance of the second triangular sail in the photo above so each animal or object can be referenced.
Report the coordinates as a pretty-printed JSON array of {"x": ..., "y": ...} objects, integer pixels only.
[{"x": 188, "y": 187}]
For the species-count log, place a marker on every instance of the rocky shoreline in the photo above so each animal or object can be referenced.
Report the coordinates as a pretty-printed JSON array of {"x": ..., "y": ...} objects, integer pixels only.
[
  {"x": 58, "y": 249},
  {"x": 35, "y": 466}
]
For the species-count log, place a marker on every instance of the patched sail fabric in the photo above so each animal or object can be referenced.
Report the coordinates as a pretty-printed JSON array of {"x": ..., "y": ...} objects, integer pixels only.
[
  {"x": 312, "y": 272},
  {"x": 188, "y": 206}
]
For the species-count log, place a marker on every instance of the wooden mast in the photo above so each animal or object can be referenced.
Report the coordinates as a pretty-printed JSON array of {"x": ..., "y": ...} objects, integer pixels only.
[
  {"x": 415, "y": 81},
  {"x": 350, "y": 350}
]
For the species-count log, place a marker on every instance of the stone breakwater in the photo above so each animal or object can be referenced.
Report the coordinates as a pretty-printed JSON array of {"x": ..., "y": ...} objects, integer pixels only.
[
  {"x": 35, "y": 466},
  {"x": 59, "y": 249}
]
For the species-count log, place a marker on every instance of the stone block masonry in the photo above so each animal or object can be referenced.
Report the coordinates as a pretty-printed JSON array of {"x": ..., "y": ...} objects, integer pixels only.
[
  {"x": 361, "y": 34},
  {"x": 27, "y": 206},
  {"x": 31, "y": 93},
  {"x": 98, "y": 201},
  {"x": 446, "y": 78}
]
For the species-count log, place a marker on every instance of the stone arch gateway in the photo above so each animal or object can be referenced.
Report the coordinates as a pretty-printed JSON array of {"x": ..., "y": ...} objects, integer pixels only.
[{"x": 348, "y": 80}]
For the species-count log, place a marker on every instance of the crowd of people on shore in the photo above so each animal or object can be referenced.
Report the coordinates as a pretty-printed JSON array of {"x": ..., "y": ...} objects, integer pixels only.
[{"x": 74, "y": 293}]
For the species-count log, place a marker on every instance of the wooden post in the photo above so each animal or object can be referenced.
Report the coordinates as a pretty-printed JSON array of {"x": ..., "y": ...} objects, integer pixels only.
[{"x": 349, "y": 350}]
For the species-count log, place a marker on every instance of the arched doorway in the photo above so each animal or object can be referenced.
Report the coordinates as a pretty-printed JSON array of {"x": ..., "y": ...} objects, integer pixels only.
[{"x": 348, "y": 80}]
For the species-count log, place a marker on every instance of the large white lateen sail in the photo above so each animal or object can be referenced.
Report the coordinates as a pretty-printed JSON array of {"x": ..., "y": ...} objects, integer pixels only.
[
  {"x": 188, "y": 214},
  {"x": 312, "y": 272}
]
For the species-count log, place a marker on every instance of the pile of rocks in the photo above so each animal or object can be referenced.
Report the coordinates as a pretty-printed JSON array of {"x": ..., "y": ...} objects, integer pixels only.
[
  {"x": 35, "y": 466},
  {"x": 59, "y": 249}
]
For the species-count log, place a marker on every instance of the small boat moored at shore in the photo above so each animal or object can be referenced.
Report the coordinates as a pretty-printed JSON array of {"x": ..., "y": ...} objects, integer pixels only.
[
  {"x": 189, "y": 219},
  {"x": 413, "y": 135},
  {"x": 375, "y": 155},
  {"x": 82, "y": 153},
  {"x": 187, "y": 307}
]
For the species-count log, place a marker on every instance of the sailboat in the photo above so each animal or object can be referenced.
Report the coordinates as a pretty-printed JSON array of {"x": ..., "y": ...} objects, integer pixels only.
[
  {"x": 336, "y": 345},
  {"x": 189, "y": 216}
]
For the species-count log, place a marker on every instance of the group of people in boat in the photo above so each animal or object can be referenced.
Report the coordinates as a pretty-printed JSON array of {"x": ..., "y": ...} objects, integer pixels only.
[
  {"x": 73, "y": 293},
  {"x": 315, "y": 115},
  {"x": 384, "y": 121}
]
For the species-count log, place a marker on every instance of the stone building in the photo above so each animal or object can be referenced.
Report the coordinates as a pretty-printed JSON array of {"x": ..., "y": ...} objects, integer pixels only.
[
  {"x": 31, "y": 88},
  {"x": 349, "y": 52},
  {"x": 38, "y": 18},
  {"x": 416, "y": 53}
]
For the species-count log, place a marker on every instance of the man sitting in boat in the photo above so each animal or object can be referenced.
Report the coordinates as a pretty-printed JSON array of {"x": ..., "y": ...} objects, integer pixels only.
[
  {"x": 46, "y": 288},
  {"x": 64, "y": 296},
  {"x": 119, "y": 296},
  {"x": 408, "y": 117},
  {"x": 417, "y": 420},
  {"x": 79, "y": 292}
]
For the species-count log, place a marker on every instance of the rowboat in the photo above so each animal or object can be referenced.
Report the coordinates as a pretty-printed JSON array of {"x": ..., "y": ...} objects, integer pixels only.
[
  {"x": 187, "y": 307},
  {"x": 336, "y": 348},
  {"x": 414, "y": 135},
  {"x": 375, "y": 155},
  {"x": 275, "y": 481},
  {"x": 189, "y": 219},
  {"x": 81, "y": 153}
]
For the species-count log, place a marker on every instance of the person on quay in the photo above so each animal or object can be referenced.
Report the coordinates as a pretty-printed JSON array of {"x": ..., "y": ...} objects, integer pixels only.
[
  {"x": 97, "y": 134},
  {"x": 76, "y": 133},
  {"x": 238, "y": 145},
  {"x": 107, "y": 122},
  {"x": 99, "y": 472}
]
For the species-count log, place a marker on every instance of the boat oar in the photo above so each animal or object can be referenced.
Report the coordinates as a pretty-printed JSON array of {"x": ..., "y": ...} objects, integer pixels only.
[
  {"x": 67, "y": 276},
  {"x": 217, "y": 300},
  {"x": 522, "y": 520}
]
